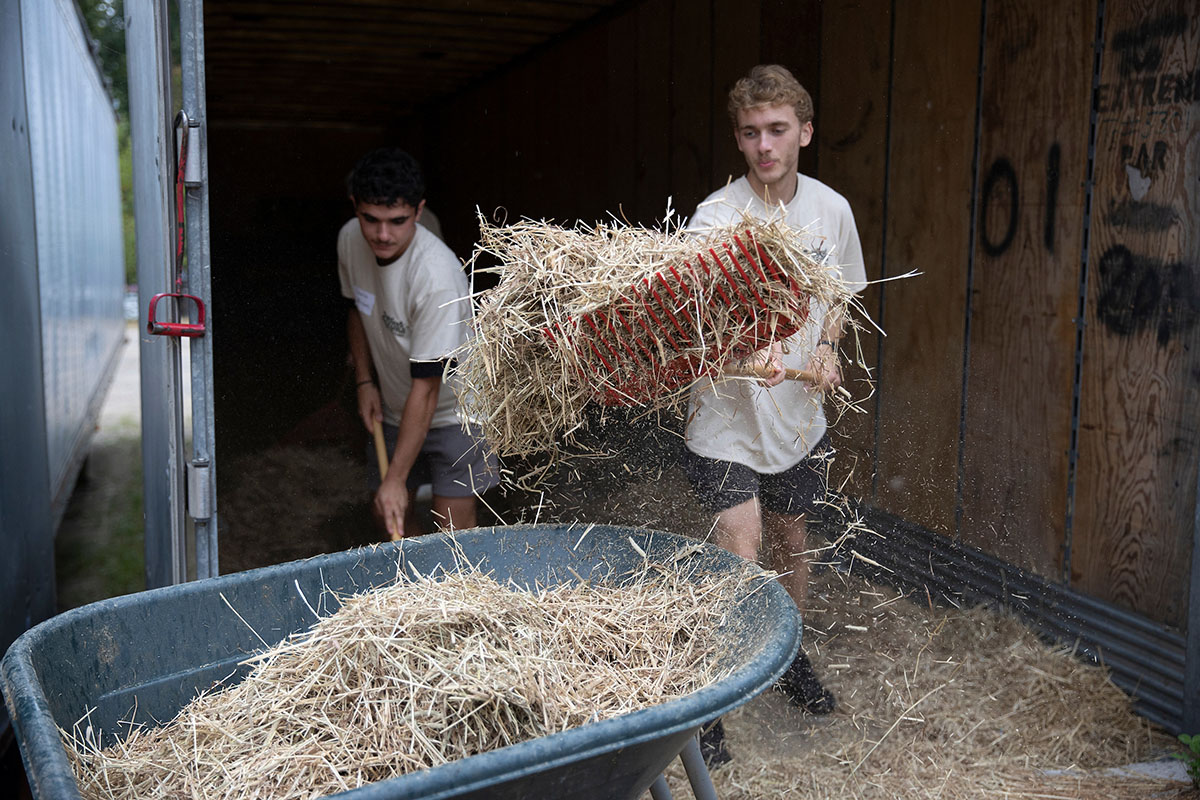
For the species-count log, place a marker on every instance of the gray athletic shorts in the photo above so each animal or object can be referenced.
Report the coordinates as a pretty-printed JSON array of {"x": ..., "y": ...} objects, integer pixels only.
[
  {"x": 457, "y": 463},
  {"x": 722, "y": 485}
]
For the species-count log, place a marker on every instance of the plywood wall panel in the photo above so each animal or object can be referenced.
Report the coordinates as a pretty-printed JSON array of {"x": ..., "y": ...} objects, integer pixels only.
[
  {"x": 736, "y": 30},
  {"x": 620, "y": 105},
  {"x": 1139, "y": 427},
  {"x": 851, "y": 139},
  {"x": 935, "y": 62},
  {"x": 1025, "y": 283},
  {"x": 582, "y": 80},
  {"x": 652, "y": 119},
  {"x": 691, "y": 108},
  {"x": 791, "y": 35},
  {"x": 898, "y": 88},
  {"x": 548, "y": 170},
  {"x": 511, "y": 145}
]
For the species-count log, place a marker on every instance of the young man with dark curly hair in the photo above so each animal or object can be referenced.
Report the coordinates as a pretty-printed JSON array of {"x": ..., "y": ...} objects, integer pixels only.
[{"x": 409, "y": 310}]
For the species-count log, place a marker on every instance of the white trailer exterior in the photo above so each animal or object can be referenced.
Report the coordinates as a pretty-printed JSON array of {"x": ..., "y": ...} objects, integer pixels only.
[
  {"x": 78, "y": 230},
  {"x": 61, "y": 316}
]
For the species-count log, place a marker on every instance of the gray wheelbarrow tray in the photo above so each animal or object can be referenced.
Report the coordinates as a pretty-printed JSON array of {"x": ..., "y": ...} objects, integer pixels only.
[{"x": 155, "y": 650}]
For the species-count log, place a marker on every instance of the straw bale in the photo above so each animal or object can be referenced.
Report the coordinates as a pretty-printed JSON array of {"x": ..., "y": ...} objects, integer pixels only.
[
  {"x": 421, "y": 673},
  {"x": 615, "y": 314}
]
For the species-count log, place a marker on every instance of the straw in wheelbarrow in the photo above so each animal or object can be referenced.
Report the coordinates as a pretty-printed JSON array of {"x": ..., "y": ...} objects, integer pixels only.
[
  {"x": 622, "y": 315},
  {"x": 422, "y": 673}
]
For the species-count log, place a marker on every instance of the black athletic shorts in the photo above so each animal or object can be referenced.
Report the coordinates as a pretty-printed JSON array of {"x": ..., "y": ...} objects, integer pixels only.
[
  {"x": 456, "y": 462},
  {"x": 724, "y": 484}
]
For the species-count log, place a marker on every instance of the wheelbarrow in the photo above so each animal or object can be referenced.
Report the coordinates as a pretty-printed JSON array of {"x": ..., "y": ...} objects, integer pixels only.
[{"x": 155, "y": 650}]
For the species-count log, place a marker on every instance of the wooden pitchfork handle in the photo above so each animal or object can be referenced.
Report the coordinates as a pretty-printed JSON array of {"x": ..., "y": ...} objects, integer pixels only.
[
  {"x": 761, "y": 371},
  {"x": 381, "y": 454},
  {"x": 381, "y": 450}
]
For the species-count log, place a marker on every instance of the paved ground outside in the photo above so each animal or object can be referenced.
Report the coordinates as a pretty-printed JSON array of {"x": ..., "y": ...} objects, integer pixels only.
[{"x": 99, "y": 544}]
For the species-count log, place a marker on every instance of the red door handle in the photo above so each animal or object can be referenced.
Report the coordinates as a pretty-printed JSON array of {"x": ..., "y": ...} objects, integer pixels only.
[{"x": 192, "y": 329}]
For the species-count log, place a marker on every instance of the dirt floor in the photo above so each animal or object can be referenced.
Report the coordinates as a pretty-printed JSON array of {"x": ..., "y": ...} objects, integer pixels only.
[{"x": 932, "y": 701}]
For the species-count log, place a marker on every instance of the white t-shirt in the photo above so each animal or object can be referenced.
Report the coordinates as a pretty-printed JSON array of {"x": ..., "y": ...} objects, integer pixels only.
[
  {"x": 773, "y": 429},
  {"x": 415, "y": 309}
]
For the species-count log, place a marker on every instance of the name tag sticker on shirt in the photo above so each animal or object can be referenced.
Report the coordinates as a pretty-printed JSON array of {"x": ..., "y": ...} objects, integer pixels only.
[{"x": 364, "y": 301}]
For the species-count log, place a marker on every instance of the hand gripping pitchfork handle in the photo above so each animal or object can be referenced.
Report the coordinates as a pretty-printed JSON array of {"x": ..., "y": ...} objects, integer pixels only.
[
  {"x": 761, "y": 371},
  {"x": 381, "y": 454}
]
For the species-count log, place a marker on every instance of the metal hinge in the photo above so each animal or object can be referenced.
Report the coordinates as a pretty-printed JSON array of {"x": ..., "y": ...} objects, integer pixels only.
[
  {"x": 200, "y": 490},
  {"x": 187, "y": 145}
]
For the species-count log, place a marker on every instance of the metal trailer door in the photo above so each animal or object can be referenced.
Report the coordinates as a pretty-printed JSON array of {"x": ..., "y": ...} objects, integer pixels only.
[
  {"x": 170, "y": 177},
  {"x": 202, "y": 484}
]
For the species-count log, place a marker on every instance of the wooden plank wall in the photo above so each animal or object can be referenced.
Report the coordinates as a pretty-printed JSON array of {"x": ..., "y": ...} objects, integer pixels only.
[
  {"x": 934, "y": 87},
  {"x": 851, "y": 134},
  {"x": 639, "y": 116},
  {"x": 986, "y": 169},
  {"x": 1139, "y": 431},
  {"x": 960, "y": 133},
  {"x": 1025, "y": 280},
  {"x": 278, "y": 200}
]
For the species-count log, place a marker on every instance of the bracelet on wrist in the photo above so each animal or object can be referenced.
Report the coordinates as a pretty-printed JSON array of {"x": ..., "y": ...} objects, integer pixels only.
[
  {"x": 832, "y": 346},
  {"x": 364, "y": 383}
]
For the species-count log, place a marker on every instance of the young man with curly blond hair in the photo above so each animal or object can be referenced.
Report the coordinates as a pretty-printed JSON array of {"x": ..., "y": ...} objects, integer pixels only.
[{"x": 757, "y": 450}]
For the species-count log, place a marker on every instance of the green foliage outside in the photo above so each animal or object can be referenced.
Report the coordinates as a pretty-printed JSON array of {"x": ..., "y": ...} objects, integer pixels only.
[
  {"x": 105, "y": 21},
  {"x": 126, "y": 152},
  {"x": 1191, "y": 758}
]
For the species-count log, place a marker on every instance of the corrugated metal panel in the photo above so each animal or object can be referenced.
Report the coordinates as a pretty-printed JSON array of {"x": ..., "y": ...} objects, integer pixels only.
[
  {"x": 153, "y": 200},
  {"x": 1146, "y": 659},
  {"x": 77, "y": 208},
  {"x": 27, "y": 549},
  {"x": 365, "y": 62}
]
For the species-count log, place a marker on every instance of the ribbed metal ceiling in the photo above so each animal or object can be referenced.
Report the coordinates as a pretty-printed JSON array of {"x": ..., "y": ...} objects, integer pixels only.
[{"x": 365, "y": 62}]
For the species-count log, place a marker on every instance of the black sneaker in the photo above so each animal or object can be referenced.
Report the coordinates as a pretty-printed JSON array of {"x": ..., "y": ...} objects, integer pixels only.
[
  {"x": 712, "y": 745},
  {"x": 802, "y": 689}
]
